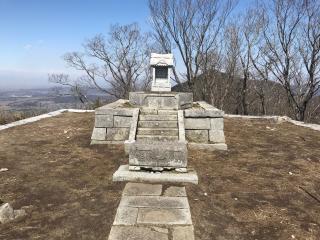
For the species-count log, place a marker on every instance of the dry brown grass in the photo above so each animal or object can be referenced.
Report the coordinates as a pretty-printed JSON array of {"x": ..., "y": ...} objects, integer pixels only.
[
  {"x": 246, "y": 192},
  {"x": 12, "y": 116}
]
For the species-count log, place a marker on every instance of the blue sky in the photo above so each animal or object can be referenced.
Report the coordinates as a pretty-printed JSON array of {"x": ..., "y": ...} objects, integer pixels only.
[{"x": 34, "y": 34}]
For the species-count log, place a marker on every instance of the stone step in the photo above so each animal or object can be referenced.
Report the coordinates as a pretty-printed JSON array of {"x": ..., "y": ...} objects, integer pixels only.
[
  {"x": 158, "y": 131},
  {"x": 158, "y": 124},
  {"x": 158, "y": 117},
  {"x": 148, "y": 111},
  {"x": 167, "y": 112},
  {"x": 160, "y": 138}
]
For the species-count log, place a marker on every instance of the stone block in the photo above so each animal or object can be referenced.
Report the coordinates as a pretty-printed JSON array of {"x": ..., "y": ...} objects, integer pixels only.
[
  {"x": 170, "y": 100},
  {"x": 148, "y": 138},
  {"x": 158, "y": 118},
  {"x": 154, "y": 202},
  {"x": 136, "y": 233},
  {"x": 134, "y": 125},
  {"x": 167, "y": 112},
  {"x": 163, "y": 102},
  {"x": 122, "y": 121},
  {"x": 158, "y": 154},
  {"x": 158, "y": 124},
  {"x": 216, "y": 123},
  {"x": 124, "y": 175},
  {"x": 99, "y": 134},
  {"x": 149, "y": 111},
  {"x": 126, "y": 216},
  {"x": 117, "y": 134},
  {"x": 208, "y": 146},
  {"x": 185, "y": 100},
  {"x": 158, "y": 131},
  {"x": 115, "y": 111},
  {"x": 182, "y": 130},
  {"x": 197, "y": 123},
  {"x": 216, "y": 136},
  {"x": 142, "y": 189},
  {"x": 183, "y": 233},
  {"x": 103, "y": 121},
  {"x": 198, "y": 136},
  {"x": 174, "y": 191},
  {"x": 164, "y": 216}
]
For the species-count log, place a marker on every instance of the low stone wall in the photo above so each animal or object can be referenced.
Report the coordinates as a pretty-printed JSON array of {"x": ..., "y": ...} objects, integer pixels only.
[
  {"x": 204, "y": 125},
  {"x": 112, "y": 123}
]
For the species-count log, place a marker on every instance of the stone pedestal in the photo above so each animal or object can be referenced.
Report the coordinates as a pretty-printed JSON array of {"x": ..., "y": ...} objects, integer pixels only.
[{"x": 171, "y": 100}]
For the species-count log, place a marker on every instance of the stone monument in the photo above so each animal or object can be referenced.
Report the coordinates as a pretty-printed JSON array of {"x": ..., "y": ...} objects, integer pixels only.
[
  {"x": 158, "y": 127},
  {"x": 161, "y": 65}
]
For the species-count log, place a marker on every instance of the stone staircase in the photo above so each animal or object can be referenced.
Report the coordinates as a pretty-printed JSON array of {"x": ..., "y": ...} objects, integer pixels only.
[
  {"x": 161, "y": 126},
  {"x": 157, "y": 145}
]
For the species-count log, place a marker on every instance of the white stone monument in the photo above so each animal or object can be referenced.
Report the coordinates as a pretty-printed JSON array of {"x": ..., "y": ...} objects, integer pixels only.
[{"x": 161, "y": 65}]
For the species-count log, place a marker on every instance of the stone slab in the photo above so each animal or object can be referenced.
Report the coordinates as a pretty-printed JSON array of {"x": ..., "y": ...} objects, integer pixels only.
[
  {"x": 198, "y": 136},
  {"x": 158, "y": 131},
  {"x": 174, "y": 191},
  {"x": 149, "y": 111},
  {"x": 160, "y": 138},
  {"x": 167, "y": 112},
  {"x": 170, "y": 100},
  {"x": 115, "y": 111},
  {"x": 216, "y": 123},
  {"x": 197, "y": 123},
  {"x": 216, "y": 136},
  {"x": 117, "y": 134},
  {"x": 126, "y": 216},
  {"x": 158, "y": 124},
  {"x": 103, "y": 121},
  {"x": 154, "y": 202},
  {"x": 182, "y": 132},
  {"x": 99, "y": 134},
  {"x": 183, "y": 233},
  {"x": 142, "y": 189},
  {"x": 136, "y": 233},
  {"x": 134, "y": 125},
  {"x": 208, "y": 146},
  {"x": 105, "y": 142},
  {"x": 124, "y": 175},
  {"x": 158, "y": 154},
  {"x": 122, "y": 121},
  {"x": 202, "y": 113},
  {"x": 164, "y": 216},
  {"x": 158, "y": 117}
]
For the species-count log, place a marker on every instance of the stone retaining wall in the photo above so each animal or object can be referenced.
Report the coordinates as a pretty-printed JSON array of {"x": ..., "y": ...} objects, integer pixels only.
[
  {"x": 112, "y": 123},
  {"x": 204, "y": 125}
]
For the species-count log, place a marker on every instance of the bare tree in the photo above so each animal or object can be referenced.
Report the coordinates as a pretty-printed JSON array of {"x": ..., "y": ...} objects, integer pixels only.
[
  {"x": 283, "y": 38},
  {"x": 309, "y": 48},
  {"x": 77, "y": 88},
  {"x": 114, "y": 65},
  {"x": 191, "y": 26}
]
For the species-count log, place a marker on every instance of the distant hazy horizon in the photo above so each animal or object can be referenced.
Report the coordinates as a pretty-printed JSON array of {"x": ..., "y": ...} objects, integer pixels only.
[{"x": 35, "y": 34}]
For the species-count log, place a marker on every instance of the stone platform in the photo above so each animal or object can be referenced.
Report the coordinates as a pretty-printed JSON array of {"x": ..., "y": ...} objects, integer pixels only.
[
  {"x": 124, "y": 175},
  {"x": 158, "y": 100},
  {"x": 150, "y": 211}
]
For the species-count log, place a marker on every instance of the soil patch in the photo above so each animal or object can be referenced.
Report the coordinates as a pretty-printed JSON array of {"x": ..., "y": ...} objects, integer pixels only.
[{"x": 265, "y": 186}]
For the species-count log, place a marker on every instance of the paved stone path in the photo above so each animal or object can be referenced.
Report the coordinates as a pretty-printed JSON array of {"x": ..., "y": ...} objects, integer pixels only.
[{"x": 152, "y": 211}]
